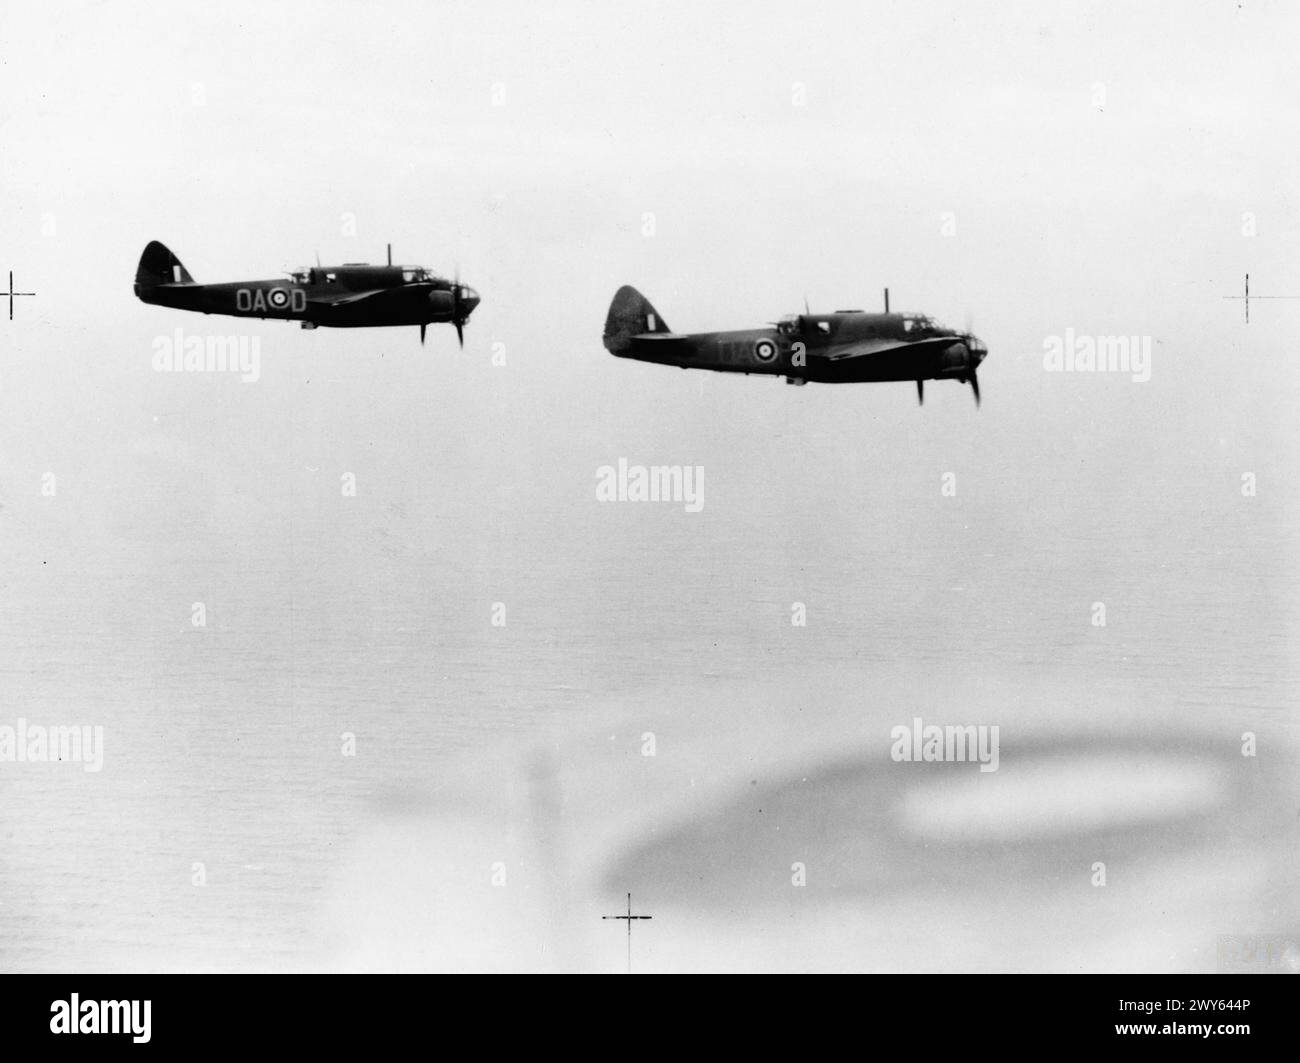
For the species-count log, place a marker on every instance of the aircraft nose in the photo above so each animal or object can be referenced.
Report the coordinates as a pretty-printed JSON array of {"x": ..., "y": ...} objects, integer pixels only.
[{"x": 466, "y": 300}]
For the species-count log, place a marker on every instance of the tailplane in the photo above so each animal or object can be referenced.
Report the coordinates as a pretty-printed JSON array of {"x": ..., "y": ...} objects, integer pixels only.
[
  {"x": 630, "y": 314},
  {"x": 159, "y": 266}
]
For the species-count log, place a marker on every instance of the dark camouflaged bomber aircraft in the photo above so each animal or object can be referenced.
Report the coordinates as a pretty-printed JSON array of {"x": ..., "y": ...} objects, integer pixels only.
[
  {"x": 354, "y": 295},
  {"x": 848, "y": 346}
]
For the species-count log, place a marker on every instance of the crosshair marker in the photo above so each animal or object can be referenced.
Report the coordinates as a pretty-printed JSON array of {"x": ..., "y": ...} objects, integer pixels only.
[
  {"x": 629, "y": 917},
  {"x": 1248, "y": 297},
  {"x": 11, "y": 294}
]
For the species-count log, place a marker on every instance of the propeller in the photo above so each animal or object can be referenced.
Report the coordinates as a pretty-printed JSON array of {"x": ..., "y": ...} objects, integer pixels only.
[
  {"x": 920, "y": 392},
  {"x": 976, "y": 354},
  {"x": 459, "y": 310}
]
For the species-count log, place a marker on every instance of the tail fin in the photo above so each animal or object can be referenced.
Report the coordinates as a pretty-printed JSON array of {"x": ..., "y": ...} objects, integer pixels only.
[
  {"x": 159, "y": 266},
  {"x": 630, "y": 314}
]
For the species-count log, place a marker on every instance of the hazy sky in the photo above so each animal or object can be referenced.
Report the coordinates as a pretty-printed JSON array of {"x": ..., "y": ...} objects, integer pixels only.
[{"x": 1095, "y": 160}]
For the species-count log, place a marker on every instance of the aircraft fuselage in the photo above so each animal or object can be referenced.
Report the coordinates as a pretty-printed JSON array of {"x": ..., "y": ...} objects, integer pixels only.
[
  {"x": 800, "y": 351},
  {"x": 354, "y": 295},
  {"x": 319, "y": 303}
]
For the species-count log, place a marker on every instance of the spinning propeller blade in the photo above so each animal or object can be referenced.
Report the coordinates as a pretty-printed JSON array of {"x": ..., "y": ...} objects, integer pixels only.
[{"x": 458, "y": 313}]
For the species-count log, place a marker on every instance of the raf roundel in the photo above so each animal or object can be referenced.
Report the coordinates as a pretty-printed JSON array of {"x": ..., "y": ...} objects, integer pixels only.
[
  {"x": 279, "y": 298},
  {"x": 765, "y": 350}
]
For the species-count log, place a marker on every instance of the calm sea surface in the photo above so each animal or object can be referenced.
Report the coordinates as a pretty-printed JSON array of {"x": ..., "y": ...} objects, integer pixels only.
[{"x": 371, "y": 615}]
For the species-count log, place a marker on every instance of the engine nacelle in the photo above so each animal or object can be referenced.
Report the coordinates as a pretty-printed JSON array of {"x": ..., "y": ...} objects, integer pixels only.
[
  {"x": 441, "y": 302},
  {"x": 955, "y": 360}
]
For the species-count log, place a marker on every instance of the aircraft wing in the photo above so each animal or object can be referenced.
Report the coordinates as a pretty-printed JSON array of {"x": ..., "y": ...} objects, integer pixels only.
[
  {"x": 354, "y": 297},
  {"x": 399, "y": 294},
  {"x": 867, "y": 348}
]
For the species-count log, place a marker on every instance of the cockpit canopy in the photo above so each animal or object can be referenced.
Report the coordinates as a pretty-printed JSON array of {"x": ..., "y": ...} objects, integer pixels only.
[
  {"x": 910, "y": 326},
  {"x": 383, "y": 275},
  {"x": 920, "y": 323}
]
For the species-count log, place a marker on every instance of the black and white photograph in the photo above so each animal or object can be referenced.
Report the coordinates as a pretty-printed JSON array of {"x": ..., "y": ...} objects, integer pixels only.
[{"x": 677, "y": 488}]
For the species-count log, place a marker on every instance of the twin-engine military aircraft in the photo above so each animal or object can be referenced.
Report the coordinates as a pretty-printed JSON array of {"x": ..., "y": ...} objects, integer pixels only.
[
  {"x": 848, "y": 346},
  {"x": 354, "y": 295}
]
